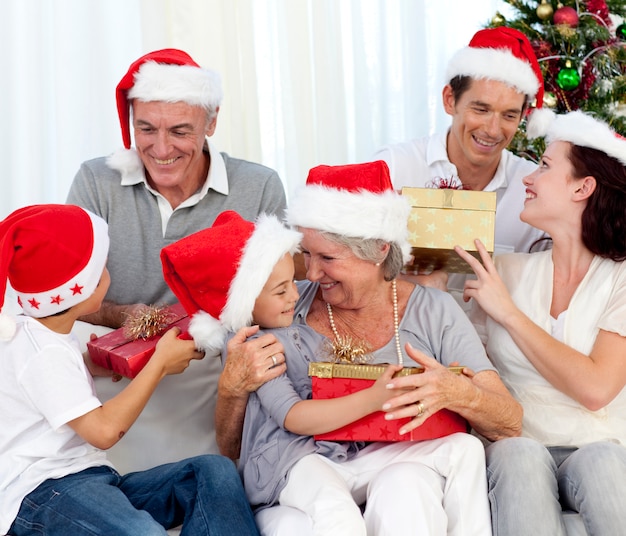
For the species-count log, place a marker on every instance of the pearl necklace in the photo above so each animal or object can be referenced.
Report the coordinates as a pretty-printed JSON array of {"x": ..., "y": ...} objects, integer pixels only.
[{"x": 346, "y": 350}]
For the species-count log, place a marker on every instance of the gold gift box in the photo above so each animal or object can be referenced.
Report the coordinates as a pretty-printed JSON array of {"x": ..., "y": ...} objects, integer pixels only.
[
  {"x": 361, "y": 372},
  {"x": 442, "y": 218}
]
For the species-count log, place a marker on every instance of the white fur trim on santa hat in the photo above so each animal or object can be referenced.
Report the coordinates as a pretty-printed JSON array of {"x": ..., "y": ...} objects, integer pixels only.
[
  {"x": 207, "y": 332},
  {"x": 362, "y": 214},
  {"x": 494, "y": 64},
  {"x": 177, "y": 83},
  {"x": 539, "y": 123},
  {"x": 269, "y": 242},
  {"x": 128, "y": 163},
  {"x": 582, "y": 129}
]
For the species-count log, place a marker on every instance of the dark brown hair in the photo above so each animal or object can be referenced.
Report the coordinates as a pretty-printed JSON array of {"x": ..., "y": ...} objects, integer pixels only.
[
  {"x": 460, "y": 84},
  {"x": 604, "y": 217}
]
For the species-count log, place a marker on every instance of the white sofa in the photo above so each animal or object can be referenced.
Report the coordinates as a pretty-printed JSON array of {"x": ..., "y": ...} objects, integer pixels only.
[
  {"x": 574, "y": 524},
  {"x": 201, "y": 388}
]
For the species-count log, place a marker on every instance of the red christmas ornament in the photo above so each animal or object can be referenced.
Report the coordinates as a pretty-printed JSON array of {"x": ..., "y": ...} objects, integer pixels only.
[
  {"x": 599, "y": 7},
  {"x": 566, "y": 15},
  {"x": 543, "y": 49}
]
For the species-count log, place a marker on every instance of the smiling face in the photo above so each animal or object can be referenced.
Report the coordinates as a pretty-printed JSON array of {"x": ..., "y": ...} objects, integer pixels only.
[
  {"x": 344, "y": 279},
  {"x": 169, "y": 138},
  {"x": 484, "y": 121},
  {"x": 551, "y": 191},
  {"x": 274, "y": 307}
]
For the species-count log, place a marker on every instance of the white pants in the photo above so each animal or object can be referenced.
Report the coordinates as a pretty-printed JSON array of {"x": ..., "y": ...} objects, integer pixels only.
[{"x": 434, "y": 487}]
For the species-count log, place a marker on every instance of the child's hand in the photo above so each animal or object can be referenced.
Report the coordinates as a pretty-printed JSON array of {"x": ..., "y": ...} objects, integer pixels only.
[
  {"x": 98, "y": 370},
  {"x": 174, "y": 354},
  {"x": 380, "y": 393}
]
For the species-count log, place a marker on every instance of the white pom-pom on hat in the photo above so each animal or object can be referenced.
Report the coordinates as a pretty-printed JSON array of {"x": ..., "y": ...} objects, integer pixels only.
[
  {"x": 207, "y": 332},
  {"x": 7, "y": 327},
  {"x": 539, "y": 123}
]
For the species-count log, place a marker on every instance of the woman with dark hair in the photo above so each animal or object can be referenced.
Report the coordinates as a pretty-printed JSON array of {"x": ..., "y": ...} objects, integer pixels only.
[{"x": 555, "y": 328}]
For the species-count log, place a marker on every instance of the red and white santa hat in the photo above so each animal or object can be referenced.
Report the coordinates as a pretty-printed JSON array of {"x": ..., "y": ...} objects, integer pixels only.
[
  {"x": 168, "y": 75},
  {"x": 53, "y": 257},
  {"x": 218, "y": 273},
  {"x": 355, "y": 200},
  {"x": 505, "y": 55},
  {"x": 585, "y": 130}
]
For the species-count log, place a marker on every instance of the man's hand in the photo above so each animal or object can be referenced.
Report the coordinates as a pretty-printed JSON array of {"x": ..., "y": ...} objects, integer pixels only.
[
  {"x": 249, "y": 364},
  {"x": 437, "y": 279},
  {"x": 112, "y": 314}
]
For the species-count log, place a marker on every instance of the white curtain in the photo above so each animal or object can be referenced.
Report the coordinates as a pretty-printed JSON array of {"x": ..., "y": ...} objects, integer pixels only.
[{"x": 306, "y": 81}]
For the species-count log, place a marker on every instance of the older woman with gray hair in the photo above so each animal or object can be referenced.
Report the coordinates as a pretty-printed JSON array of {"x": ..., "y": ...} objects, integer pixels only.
[{"x": 354, "y": 228}]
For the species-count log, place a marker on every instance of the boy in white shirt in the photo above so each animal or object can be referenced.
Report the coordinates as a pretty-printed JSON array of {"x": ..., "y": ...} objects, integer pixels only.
[{"x": 54, "y": 475}]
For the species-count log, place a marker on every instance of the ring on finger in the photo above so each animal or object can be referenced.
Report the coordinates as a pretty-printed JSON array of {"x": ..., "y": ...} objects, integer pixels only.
[
  {"x": 420, "y": 409},
  {"x": 274, "y": 360}
]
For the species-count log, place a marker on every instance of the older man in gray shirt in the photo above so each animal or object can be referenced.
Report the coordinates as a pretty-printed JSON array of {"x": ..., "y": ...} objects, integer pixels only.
[{"x": 172, "y": 183}]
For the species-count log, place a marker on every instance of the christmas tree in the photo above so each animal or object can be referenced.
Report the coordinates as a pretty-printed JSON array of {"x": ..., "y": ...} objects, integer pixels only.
[{"x": 581, "y": 47}]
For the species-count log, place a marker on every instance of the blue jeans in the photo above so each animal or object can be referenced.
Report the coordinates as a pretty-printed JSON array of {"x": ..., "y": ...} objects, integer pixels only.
[
  {"x": 530, "y": 484},
  {"x": 204, "y": 493}
]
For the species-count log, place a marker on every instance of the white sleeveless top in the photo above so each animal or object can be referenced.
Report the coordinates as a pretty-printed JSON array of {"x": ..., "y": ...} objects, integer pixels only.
[{"x": 550, "y": 416}]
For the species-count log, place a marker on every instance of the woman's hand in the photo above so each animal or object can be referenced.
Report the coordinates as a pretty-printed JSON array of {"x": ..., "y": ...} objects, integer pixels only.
[
  {"x": 426, "y": 393},
  {"x": 487, "y": 289}
]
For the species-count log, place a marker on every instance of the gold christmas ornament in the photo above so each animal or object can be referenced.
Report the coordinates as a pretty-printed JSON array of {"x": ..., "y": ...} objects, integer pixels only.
[
  {"x": 498, "y": 19},
  {"x": 549, "y": 99},
  {"x": 566, "y": 32},
  {"x": 346, "y": 350},
  {"x": 544, "y": 10}
]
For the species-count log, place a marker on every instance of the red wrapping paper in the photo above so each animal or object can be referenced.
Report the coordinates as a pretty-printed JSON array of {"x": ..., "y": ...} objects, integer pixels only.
[
  {"x": 127, "y": 357},
  {"x": 374, "y": 427}
]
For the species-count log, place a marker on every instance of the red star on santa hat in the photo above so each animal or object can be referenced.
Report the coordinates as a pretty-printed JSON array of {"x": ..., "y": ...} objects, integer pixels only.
[
  {"x": 76, "y": 289},
  {"x": 34, "y": 303},
  {"x": 56, "y": 299}
]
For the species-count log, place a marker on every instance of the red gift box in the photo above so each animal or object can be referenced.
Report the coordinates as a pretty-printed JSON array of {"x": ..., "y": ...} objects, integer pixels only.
[
  {"x": 126, "y": 356},
  {"x": 332, "y": 380}
]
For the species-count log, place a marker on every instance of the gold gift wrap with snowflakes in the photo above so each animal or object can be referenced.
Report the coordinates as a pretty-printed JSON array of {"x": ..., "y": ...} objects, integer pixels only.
[{"x": 442, "y": 218}]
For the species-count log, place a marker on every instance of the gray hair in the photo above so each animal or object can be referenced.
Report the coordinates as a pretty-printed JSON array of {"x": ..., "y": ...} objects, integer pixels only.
[
  {"x": 211, "y": 111},
  {"x": 370, "y": 249}
]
